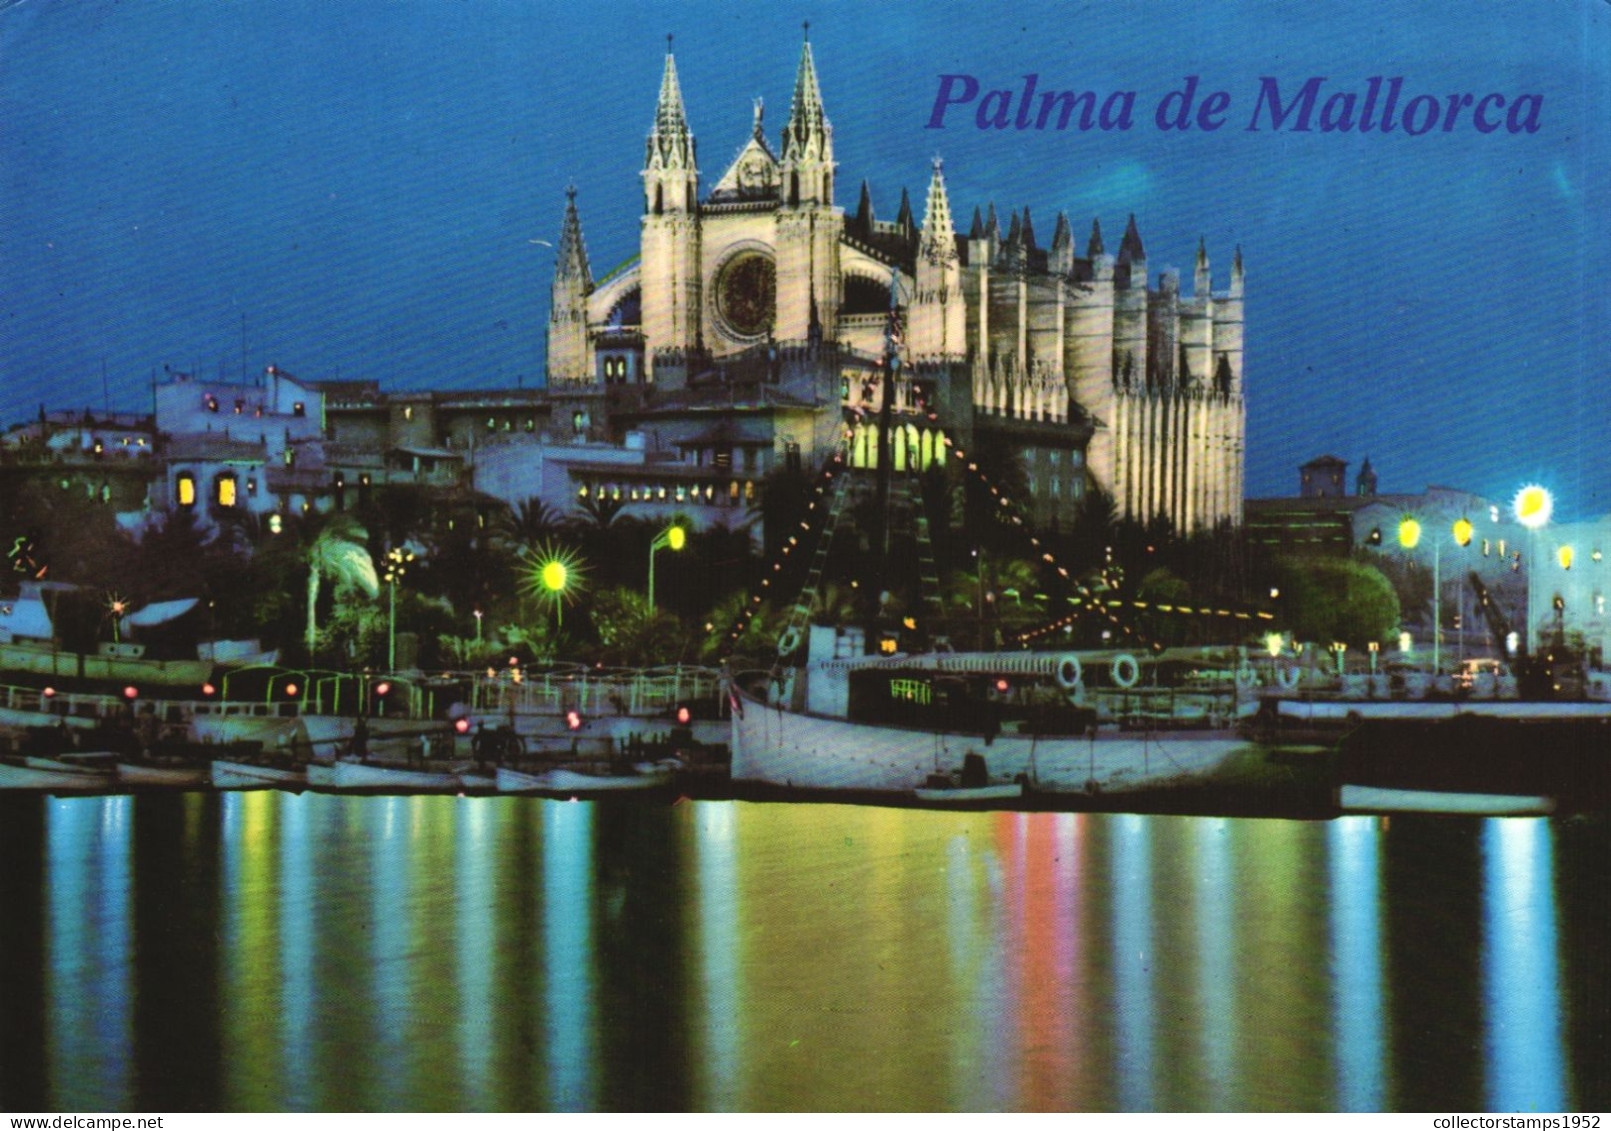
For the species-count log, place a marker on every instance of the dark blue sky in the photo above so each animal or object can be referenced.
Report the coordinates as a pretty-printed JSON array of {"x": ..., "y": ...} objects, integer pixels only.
[{"x": 362, "y": 180}]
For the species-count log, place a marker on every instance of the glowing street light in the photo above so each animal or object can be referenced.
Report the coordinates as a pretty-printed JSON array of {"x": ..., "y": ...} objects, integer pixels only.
[
  {"x": 397, "y": 562},
  {"x": 673, "y": 537},
  {"x": 554, "y": 575}
]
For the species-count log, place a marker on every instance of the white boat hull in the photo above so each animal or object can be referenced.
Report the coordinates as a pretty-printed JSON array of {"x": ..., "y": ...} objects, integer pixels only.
[
  {"x": 773, "y": 746},
  {"x": 359, "y": 776},
  {"x": 171, "y": 777},
  {"x": 244, "y": 775},
  {"x": 575, "y": 783},
  {"x": 68, "y": 780},
  {"x": 1370, "y": 799}
]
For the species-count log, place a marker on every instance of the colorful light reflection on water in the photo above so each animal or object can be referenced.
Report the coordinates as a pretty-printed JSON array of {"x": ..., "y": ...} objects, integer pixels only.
[{"x": 498, "y": 953}]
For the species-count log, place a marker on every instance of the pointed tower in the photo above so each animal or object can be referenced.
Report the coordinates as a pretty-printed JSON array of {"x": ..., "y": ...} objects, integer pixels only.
[
  {"x": 865, "y": 218},
  {"x": 808, "y": 225},
  {"x": 938, "y": 322},
  {"x": 569, "y": 357},
  {"x": 1061, "y": 260},
  {"x": 1093, "y": 246},
  {"x": 905, "y": 224},
  {"x": 670, "y": 236}
]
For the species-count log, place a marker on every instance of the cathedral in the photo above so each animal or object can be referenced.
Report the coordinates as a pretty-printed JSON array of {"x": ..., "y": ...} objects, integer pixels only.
[{"x": 751, "y": 330}]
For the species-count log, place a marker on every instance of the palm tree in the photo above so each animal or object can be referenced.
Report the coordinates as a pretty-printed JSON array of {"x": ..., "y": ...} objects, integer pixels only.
[{"x": 338, "y": 552}]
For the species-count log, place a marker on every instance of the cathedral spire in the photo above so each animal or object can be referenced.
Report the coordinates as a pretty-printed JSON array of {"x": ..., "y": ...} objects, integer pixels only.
[
  {"x": 1093, "y": 247},
  {"x": 864, "y": 212},
  {"x": 977, "y": 231},
  {"x": 808, "y": 136},
  {"x": 1202, "y": 279},
  {"x": 570, "y": 259},
  {"x": 1028, "y": 234},
  {"x": 1236, "y": 273},
  {"x": 1130, "y": 248},
  {"x": 939, "y": 233},
  {"x": 903, "y": 218},
  {"x": 1061, "y": 260},
  {"x": 671, "y": 144},
  {"x": 992, "y": 229}
]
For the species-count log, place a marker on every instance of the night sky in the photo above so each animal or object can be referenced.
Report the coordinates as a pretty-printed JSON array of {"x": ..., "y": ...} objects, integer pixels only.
[{"x": 363, "y": 182}]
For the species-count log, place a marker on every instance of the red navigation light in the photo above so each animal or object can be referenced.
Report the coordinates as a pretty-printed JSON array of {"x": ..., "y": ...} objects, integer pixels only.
[
  {"x": 50, "y": 693},
  {"x": 209, "y": 690},
  {"x": 290, "y": 690},
  {"x": 1003, "y": 686},
  {"x": 383, "y": 689},
  {"x": 683, "y": 716},
  {"x": 462, "y": 726},
  {"x": 573, "y": 720},
  {"x": 131, "y": 692}
]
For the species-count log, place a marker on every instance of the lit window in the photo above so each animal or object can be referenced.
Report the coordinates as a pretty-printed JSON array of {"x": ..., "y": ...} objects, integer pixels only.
[
  {"x": 682, "y": 494},
  {"x": 185, "y": 489},
  {"x": 299, "y": 409},
  {"x": 749, "y": 491},
  {"x": 581, "y": 492},
  {"x": 211, "y": 402},
  {"x": 408, "y": 412},
  {"x": 251, "y": 486},
  {"x": 106, "y": 493},
  {"x": 225, "y": 490},
  {"x": 240, "y": 407}
]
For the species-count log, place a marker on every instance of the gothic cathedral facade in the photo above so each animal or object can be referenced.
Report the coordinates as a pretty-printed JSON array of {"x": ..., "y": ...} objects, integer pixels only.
[{"x": 764, "y": 295}]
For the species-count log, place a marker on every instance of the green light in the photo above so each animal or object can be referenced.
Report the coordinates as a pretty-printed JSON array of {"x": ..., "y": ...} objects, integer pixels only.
[{"x": 554, "y": 575}]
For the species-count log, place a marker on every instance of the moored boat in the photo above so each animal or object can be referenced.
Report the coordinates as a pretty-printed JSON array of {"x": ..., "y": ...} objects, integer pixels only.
[
  {"x": 63, "y": 778},
  {"x": 247, "y": 775},
  {"x": 571, "y": 781},
  {"x": 356, "y": 777},
  {"x": 886, "y": 724},
  {"x": 157, "y": 775}
]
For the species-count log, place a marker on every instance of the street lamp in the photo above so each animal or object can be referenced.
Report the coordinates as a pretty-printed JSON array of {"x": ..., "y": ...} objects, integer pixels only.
[
  {"x": 673, "y": 537},
  {"x": 397, "y": 562},
  {"x": 478, "y": 615},
  {"x": 1409, "y": 536},
  {"x": 555, "y": 575},
  {"x": 1533, "y": 505}
]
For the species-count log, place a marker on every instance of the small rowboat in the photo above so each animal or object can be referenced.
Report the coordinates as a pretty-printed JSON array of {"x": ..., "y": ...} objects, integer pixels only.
[
  {"x": 168, "y": 777},
  {"x": 245, "y": 775},
  {"x": 64, "y": 779},
  {"x": 568, "y": 782}
]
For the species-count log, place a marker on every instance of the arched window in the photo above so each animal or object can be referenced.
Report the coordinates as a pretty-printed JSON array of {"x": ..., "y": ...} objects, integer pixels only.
[{"x": 225, "y": 490}]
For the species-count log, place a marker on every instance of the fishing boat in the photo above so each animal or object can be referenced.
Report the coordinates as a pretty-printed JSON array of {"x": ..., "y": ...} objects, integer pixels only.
[
  {"x": 247, "y": 775},
  {"x": 579, "y": 781},
  {"x": 159, "y": 775},
  {"x": 60, "y": 778},
  {"x": 365, "y": 777},
  {"x": 888, "y": 724}
]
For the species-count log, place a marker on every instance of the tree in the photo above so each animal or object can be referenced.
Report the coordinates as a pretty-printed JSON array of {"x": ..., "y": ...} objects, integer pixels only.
[
  {"x": 339, "y": 553},
  {"x": 1327, "y": 599}
]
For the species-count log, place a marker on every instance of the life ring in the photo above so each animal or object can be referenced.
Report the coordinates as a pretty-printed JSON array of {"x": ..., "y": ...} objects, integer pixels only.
[
  {"x": 789, "y": 641},
  {"x": 1289, "y": 678},
  {"x": 1125, "y": 670},
  {"x": 1068, "y": 673}
]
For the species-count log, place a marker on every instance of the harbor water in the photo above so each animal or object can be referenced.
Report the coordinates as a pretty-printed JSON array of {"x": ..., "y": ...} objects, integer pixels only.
[{"x": 270, "y": 951}]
